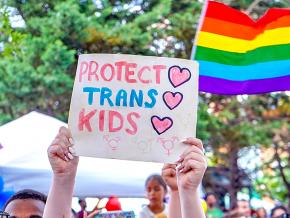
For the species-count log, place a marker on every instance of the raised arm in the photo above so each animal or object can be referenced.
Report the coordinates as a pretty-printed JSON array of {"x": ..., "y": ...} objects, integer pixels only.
[
  {"x": 189, "y": 176},
  {"x": 169, "y": 176},
  {"x": 64, "y": 167}
]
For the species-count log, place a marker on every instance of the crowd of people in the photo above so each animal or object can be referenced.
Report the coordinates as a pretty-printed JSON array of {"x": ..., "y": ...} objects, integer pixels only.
[
  {"x": 242, "y": 209},
  {"x": 179, "y": 180}
]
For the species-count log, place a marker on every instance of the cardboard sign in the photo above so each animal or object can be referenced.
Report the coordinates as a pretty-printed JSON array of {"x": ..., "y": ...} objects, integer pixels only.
[{"x": 133, "y": 107}]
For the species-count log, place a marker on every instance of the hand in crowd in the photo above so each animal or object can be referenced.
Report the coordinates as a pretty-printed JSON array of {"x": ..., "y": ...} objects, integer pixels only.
[
  {"x": 60, "y": 153},
  {"x": 188, "y": 171},
  {"x": 169, "y": 176},
  {"x": 92, "y": 214}
]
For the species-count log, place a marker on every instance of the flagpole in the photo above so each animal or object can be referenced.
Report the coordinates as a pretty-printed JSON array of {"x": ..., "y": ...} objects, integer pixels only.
[{"x": 201, "y": 19}]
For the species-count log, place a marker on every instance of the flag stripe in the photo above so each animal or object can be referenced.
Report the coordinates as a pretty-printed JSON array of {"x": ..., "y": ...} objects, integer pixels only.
[
  {"x": 242, "y": 73},
  {"x": 262, "y": 54},
  {"x": 227, "y": 87},
  {"x": 223, "y": 12},
  {"x": 225, "y": 28},
  {"x": 225, "y": 43}
]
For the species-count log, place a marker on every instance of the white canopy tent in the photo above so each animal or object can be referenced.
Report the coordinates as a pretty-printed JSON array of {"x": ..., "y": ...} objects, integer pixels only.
[{"x": 24, "y": 162}]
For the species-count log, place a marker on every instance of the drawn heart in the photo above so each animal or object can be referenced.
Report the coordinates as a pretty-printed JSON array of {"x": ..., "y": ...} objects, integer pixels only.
[
  {"x": 177, "y": 76},
  {"x": 161, "y": 125},
  {"x": 171, "y": 99}
]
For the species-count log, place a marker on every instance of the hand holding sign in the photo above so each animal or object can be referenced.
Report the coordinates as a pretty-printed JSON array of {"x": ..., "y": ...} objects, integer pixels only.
[{"x": 121, "y": 99}]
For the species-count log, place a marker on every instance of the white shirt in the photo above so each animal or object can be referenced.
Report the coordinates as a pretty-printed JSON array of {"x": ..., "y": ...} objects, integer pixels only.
[{"x": 147, "y": 213}]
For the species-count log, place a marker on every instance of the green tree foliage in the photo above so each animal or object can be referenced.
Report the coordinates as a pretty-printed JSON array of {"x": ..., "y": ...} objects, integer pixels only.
[
  {"x": 41, "y": 76},
  {"x": 274, "y": 177},
  {"x": 9, "y": 38},
  {"x": 248, "y": 121}
]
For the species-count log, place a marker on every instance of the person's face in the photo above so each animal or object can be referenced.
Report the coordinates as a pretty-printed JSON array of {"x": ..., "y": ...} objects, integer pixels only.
[
  {"x": 25, "y": 208},
  {"x": 244, "y": 208},
  {"x": 83, "y": 204},
  {"x": 211, "y": 200},
  {"x": 278, "y": 212},
  {"x": 155, "y": 192},
  {"x": 261, "y": 213}
]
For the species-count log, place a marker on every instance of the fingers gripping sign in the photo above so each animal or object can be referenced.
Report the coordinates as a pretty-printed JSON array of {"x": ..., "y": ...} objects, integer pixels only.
[
  {"x": 192, "y": 165},
  {"x": 61, "y": 153},
  {"x": 169, "y": 176},
  {"x": 183, "y": 178},
  {"x": 188, "y": 171}
]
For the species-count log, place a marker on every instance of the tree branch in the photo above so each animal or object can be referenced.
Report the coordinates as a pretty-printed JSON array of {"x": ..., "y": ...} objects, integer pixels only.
[
  {"x": 280, "y": 167},
  {"x": 252, "y": 6}
]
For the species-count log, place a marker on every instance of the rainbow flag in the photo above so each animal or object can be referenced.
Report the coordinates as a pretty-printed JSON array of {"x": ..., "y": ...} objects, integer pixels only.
[{"x": 238, "y": 55}]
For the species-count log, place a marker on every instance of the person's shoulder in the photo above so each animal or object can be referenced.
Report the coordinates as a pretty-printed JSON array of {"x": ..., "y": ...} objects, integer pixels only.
[
  {"x": 214, "y": 210},
  {"x": 80, "y": 214},
  {"x": 145, "y": 212},
  {"x": 166, "y": 208},
  {"x": 145, "y": 208}
]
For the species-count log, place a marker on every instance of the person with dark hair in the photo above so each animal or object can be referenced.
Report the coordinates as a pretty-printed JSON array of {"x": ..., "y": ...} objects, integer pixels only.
[
  {"x": 156, "y": 190},
  {"x": 279, "y": 211},
  {"x": 25, "y": 203},
  {"x": 212, "y": 210},
  {"x": 83, "y": 213},
  {"x": 83, "y": 205}
]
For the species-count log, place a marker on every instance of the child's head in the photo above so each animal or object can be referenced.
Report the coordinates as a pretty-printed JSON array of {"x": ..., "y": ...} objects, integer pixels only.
[{"x": 156, "y": 189}]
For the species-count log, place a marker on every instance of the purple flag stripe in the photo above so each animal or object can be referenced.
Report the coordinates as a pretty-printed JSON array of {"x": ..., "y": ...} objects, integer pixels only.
[{"x": 229, "y": 87}]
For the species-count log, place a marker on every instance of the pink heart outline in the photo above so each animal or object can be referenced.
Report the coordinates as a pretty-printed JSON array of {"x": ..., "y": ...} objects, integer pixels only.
[
  {"x": 177, "y": 78},
  {"x": 158, "y": 124},
  {"x": 173, "y": 100}
]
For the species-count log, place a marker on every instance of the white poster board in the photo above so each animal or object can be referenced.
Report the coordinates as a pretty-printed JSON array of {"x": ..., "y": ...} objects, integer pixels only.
[{"x": 133, "y": 107}]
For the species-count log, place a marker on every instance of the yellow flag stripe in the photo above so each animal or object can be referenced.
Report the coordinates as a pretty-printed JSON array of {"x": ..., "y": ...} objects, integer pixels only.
[{"x": 269, "y": 37}]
